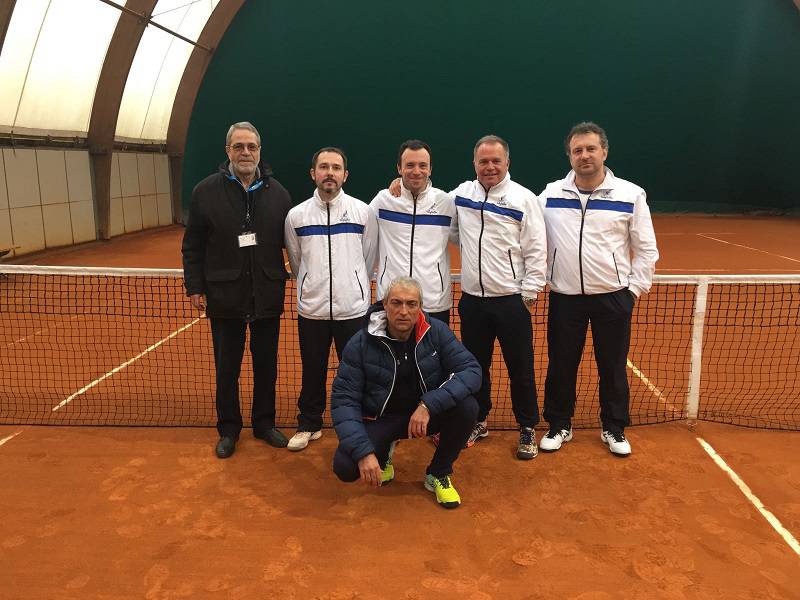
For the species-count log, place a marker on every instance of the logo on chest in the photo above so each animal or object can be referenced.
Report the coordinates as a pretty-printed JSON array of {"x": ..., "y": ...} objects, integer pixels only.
[{"x": 344, "y": 218}]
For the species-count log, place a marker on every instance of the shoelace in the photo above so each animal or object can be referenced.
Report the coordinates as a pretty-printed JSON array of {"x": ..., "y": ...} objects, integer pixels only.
[
  {"x": 618, "y": 437},
  {"x": 443, "y": 481},
  {"x": 554, "y": 434},
  {"x": 526, "y": 437}
]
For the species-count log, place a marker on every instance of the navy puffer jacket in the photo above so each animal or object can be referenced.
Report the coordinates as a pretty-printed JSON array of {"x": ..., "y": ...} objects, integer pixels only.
[{"x": 449, "y": 374}]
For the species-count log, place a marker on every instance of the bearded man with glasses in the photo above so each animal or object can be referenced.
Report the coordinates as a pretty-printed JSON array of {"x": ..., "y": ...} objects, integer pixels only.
[{"x": 234, "y": 271}]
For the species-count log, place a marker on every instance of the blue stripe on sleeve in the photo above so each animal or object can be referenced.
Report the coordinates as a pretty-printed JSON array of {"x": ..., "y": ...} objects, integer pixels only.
[
  {"x": 615, "y": 205},
  {"x": 423, "y": 219},
  {"x": 488, "y": 206},
  {"x": 563, "y": 203},
  {"x": 334, "y": 229}
]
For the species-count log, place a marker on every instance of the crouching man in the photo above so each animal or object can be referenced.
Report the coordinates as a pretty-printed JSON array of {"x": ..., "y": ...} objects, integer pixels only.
[{"x": 403, "y": 376}]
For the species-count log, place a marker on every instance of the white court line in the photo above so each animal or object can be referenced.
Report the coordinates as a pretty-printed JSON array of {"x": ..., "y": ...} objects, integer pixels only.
[
  {"x": 745, "y": 489},
  {"x": 663, "y": 233},
  {"x": 10, "y": 437},
  {"x": 708, "y": 237},
  {"x": 39, "y": 332},
  {"x": 122, "y": 366},
  {"x": 650, "y": 385}
]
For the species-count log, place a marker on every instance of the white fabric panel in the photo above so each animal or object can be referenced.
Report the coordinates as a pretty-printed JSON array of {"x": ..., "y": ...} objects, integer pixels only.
[
  {"x": 116, "y": 186},
  {"x": 57, "y": 225},
  {"x": 164, "y": 209},
  {"x": 22, "y": 178},
  {"x": 65, "y": 42},
  {"x": 149, "y": 211},
  {"x": 6, "y": 239},
  {"x": 79, "y": 176},
  {"x": 83, "y": 226},
  {"x": 26, "y": 223},
  {"x": 157, "y": 69},
  {"x": 132, "y": 212},
  {"x": 147, "y": 174},
  {"x": 117, "y": 225},
  {"x": 162, "y": 174},
  {"x": 128, "y": 174},
  {"x": 52, "y": 176}
]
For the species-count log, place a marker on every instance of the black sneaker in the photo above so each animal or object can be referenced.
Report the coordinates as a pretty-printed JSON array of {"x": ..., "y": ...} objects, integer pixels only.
[
  {"x": 527, "y": 444},
  {"x": 273, "y": 437},
  {"x": 226, "y": 446}
]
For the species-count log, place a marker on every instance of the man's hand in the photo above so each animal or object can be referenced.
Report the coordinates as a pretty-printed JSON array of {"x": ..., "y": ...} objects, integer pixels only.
[
  {"x": 198, "y": 301},
  {"x": 370, "y": 470},
  {"x": 394, "y": 187},
  {"x": 418, "y": 424}
]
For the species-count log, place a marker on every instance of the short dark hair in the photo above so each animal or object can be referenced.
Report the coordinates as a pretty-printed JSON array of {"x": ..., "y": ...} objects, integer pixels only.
[
  {"x": 411, "y": 145},
  {"x": 582, "y": 129},
  {"x": 492, "y": 139},
  {"x": 334, "y": 149}
]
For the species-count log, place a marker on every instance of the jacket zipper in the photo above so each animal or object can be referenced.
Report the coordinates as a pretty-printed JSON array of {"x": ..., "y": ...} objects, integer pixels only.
[
  {"x": 553, "y": 265},
  {"x": 385, "y": 259},
  {"x": 360, "y": 287},
  {"x": 411, "y": 248},
  {"x": 511, "y": 262},
  {"x": 480, "y": 246},
  {"x": 580, "y": 244},
  {"x": 614, "y": 258},
  {"x": 330, "y": 261},
  {"x": 441, "y": 279},
  {"x": 394, "y": 377},
  {"x": 302, "y": 283}
]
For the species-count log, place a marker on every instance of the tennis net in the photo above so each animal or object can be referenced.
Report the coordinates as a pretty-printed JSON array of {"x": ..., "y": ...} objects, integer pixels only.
[{"x": 89, "y": 346}]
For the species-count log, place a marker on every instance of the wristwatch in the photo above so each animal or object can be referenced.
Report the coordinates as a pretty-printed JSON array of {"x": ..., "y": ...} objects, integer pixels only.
[{"x": 528, "y": 300}]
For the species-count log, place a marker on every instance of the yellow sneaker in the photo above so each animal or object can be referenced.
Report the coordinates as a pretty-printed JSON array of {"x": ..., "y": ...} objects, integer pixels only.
[
  {"x": 388, "y": 472},
  {"x": 446, "y": 494}
]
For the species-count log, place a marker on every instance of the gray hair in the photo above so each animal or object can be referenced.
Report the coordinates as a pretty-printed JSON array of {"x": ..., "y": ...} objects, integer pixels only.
[
  {"x": 584, "y": 128},
  {"x": 404, "y": 282},
  {"x": 242, "y": 125},
  {"x": 491, "y": 139}
]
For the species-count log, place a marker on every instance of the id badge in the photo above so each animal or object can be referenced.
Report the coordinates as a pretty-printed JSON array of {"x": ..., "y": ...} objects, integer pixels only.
[{"x": 247, "y": 239}]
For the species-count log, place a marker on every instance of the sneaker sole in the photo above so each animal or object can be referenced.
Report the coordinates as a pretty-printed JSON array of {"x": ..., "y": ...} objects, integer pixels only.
[
  {"x": 564, "y": 441},
  {"x": 526, "y": 456},
  {"x": 617, "y": 454},
  {"x": 442, "y": 504},
  {"x": 470, "y": 444}
]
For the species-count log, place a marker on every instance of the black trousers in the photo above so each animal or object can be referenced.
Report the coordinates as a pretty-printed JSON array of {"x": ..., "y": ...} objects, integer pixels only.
[
  {"x": 568, "y": 318},
  {"x": 315, "y": 346},
  {"x": 454, "y": 425},
  {"x": 506, "y": 319},
  {"x": 228, "y": 336},
  {"x": 442, "y": 315}
]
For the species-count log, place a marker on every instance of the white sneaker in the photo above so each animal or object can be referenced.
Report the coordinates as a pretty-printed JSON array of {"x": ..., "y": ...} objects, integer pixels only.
[
  {"x": 616, "y": 443},
  {"x": 300, "y": 439},
  {"x": 554, "y": 439}
]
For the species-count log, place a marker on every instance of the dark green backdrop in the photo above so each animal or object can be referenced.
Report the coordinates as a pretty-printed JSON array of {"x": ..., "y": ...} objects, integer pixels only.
[{"x": 701, "y": 99}]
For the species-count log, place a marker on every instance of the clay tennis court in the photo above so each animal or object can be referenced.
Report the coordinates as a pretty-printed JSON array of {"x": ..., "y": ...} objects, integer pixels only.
[{"x": 131, "y": 512}]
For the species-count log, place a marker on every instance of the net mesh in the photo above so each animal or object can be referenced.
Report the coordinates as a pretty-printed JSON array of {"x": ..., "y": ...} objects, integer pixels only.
[{"x": 125, "y": 347}]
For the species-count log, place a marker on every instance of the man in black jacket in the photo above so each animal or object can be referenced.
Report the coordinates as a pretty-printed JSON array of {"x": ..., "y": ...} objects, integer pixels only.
[{"x": 234, "y": 270}]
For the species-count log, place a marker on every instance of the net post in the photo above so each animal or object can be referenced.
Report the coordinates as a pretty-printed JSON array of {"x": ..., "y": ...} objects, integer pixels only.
[{"x": 696, "y": 361}]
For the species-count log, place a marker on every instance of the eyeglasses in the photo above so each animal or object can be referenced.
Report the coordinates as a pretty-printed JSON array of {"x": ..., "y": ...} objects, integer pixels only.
[{"x": 240, "y": 147}]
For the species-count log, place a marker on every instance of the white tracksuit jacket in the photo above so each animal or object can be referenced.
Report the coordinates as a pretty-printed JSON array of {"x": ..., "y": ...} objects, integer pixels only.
[
  {"x": 412, "y": 242},
  {"x": 589, "y": 249},
  {"x": 503, "y": 241},
  {"x": 329, "y": 247}
]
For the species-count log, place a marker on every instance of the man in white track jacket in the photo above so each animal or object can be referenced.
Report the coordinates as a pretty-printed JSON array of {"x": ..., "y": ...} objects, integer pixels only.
[
  {"x": 415, "y": 229},
  {"x": 331, "y": 240},
  {"x": 601, "y": 255},
  {"x": 503, "y": 254}
]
